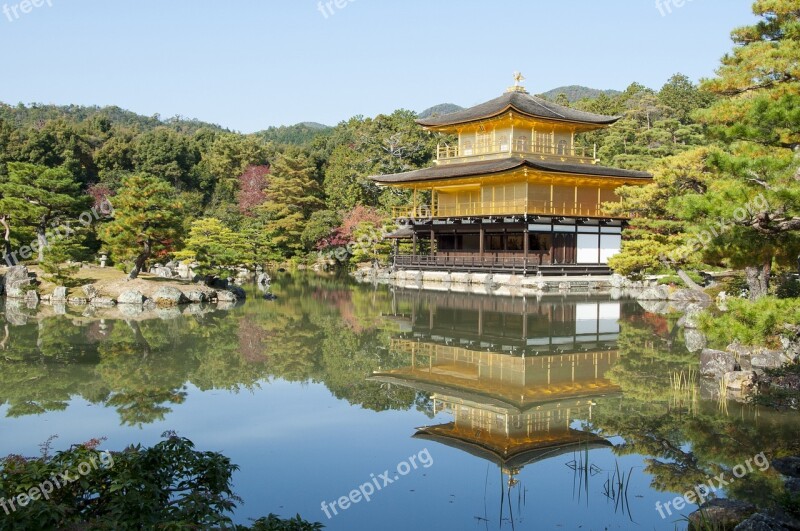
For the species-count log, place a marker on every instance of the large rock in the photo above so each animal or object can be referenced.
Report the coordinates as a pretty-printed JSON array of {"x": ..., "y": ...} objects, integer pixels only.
[
  {"x": 239, "y": 293},
  {"x": 197, "y": 296},
  {"x": 761, "y": 522},
  {"x": 233, "y": 294},
  {"x": 90, "y": 291},
  {"x": 787, "y": 466},
  {"x": 720, "y": 514},
  {"x": 59, "y": 294},
  {"x": 657, "y": 293},
  {"x": 689, "y": 295},
  {"x": 691, "y": 319},
  {"x": 768, "y": 359},
  {"x": 17, "y": 282},
  {"x": 225, "y": 297},
  {"x": 169, "y": 296},
  {"x": 694, "y": 340},
  {"x": 618, "y": 281},
  {"x": 716, "y": 363},
  {"x": 131, "y": 297},
  {"x": 163, "y": 272},
  {"x": 16, "y": 274},
  {"x": 742, "y": 381}
]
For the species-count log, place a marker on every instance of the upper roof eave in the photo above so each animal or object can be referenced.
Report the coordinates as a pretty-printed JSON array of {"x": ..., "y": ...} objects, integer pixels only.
[{"x": 524, "y": 104}]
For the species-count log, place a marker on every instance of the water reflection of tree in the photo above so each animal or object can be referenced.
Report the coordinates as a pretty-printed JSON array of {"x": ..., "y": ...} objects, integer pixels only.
[
  {"x": 687, "y": 440},
  {"x": 143, "y": 368}
]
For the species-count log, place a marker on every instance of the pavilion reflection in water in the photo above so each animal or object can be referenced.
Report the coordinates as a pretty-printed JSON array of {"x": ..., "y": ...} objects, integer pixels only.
[{"x": 513, "y": 373}]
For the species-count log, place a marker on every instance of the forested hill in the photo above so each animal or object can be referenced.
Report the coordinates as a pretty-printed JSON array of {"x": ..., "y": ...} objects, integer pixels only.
[
  {"x": 36, "y": 114},
  {"x": 440, "y": 110},
  {"x": 577, "y": 93},
  {"x": 301, "y": 134}
]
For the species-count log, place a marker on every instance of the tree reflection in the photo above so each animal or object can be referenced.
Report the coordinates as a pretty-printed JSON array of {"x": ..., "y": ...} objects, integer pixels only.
[{"x": 143, "y": 367}]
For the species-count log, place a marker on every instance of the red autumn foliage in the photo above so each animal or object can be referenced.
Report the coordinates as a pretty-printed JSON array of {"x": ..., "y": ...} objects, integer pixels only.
[
  {"x": 343, "y": 234},
  {"x": 100, "y": 194},
  {"x": 252, "y": 189}
]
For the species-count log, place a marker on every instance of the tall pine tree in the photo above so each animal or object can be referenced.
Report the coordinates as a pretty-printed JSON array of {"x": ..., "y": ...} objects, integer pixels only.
[
  {"x": 36, "y": 199},
  {"x": 147, "y": 219},
  {"x": 758, "y": 118},
  {"x": 292, "y": 196}
]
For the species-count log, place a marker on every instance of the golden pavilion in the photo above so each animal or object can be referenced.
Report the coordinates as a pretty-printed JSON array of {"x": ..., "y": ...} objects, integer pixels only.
[{"x": 514, "y": 192}]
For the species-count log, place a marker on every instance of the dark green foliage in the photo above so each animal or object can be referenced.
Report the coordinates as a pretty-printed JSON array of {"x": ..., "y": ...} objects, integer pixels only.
[
  {"x": 56, "y": 265},
  {"x": 788, "y": 289},
  {"x": 168, "y": 486},
  {"x": 751, "y": 322},
  {"x": 302, "y": 134},
  {"x": 38, "y": 199},
  {"x": 36, "y": 114},
  {"x": 780, "y": 389},
  {"x": 575, "y": 93},
  {"x": 275, "y": 523}
]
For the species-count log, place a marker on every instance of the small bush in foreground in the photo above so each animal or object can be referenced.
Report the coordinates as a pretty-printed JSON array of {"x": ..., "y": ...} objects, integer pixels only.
[{"x": 168, "y": 486}]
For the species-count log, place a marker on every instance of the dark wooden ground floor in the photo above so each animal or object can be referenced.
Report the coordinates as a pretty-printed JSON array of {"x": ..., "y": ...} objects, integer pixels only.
[{"x": 560, "y": 246}]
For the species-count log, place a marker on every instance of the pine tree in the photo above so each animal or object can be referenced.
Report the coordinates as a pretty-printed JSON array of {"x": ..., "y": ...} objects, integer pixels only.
[
  {"x": 37, "y": 198},
  {"x": 292, "y": 196},
  {"x": 147, "y": 219},
  {"x": 758, "y": 119}
]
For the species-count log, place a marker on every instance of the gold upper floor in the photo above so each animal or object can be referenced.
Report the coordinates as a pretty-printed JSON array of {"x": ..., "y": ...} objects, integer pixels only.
[{"x": 515, "y": 135}]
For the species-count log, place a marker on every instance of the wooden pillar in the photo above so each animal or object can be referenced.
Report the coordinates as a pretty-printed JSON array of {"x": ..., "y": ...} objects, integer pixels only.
[
  {"x": 482, "y": 240},
  {"x": 433, "y": 241},
  {"x": 526, "y": 246}
]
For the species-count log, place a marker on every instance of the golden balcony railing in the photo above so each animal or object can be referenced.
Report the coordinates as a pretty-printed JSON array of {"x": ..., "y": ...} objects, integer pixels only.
[
  {"x": 499, "y": 208},
  {"x": 448, "y": 152}
]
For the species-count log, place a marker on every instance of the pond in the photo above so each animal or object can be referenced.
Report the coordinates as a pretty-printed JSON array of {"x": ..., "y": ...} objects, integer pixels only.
[{"x": 371, "y": 408}]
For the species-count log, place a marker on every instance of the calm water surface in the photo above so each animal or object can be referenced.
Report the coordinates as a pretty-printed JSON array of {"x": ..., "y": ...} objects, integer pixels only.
[{"x": 519, "y": 413}]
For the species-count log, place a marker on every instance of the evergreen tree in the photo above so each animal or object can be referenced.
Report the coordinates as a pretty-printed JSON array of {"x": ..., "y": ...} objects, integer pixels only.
[
  {"x": 36, "y": 199},
  {"x": 758, "y": 118},
  {"x": 147, "y": 219},
  {"x": 214, "y": 246},
  {"x": 292, "y": 196}
]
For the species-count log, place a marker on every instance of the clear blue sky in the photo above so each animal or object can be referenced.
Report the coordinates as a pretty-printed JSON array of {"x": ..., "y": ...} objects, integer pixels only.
[{"x": 249, "y": 64}]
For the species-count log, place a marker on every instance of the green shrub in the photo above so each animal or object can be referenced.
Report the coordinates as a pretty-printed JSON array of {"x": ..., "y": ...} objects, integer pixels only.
[
  {"x": 788, "y": 289},
  {"x": 168, "y": 486},
  {"x": 758, "y": 323}
]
